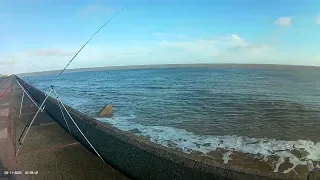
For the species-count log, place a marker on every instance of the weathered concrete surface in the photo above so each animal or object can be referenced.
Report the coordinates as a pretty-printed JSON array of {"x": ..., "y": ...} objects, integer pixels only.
[
  {"x": 7, "y": 158},
  {"x": 48, "y": 149},
  {"x": 138, "y": 158}
]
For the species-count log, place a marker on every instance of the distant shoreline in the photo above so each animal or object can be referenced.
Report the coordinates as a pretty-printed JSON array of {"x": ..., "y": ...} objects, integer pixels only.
[{"x": 161, "y": 66}]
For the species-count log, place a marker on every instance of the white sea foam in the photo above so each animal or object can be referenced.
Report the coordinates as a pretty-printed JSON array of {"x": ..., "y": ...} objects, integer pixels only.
[
  {"x": 265, "y": 158},
  {"x": 188, "y": 141},
  {"x": 280, "y": 161},
  {"x": 226, "y": 157}
]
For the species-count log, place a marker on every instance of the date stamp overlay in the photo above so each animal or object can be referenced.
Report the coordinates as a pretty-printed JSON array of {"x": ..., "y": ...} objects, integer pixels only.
[{"x": 21, "y": 172}]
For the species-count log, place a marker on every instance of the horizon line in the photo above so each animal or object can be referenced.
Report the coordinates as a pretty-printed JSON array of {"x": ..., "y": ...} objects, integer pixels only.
[{"x": 151, "y": 66}]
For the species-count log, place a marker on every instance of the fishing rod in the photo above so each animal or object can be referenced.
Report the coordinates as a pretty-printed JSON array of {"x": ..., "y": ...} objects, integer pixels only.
[
  {"x": 26, "y": 70},
  {"x": 21, "y": 140},
  {"x": 85, "y": 45},
  {"x": 50, "y": 88}
]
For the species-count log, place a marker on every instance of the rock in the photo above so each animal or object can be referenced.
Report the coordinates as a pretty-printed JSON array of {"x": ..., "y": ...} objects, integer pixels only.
[
  {"x": 106, "y": 111},
  {"x": 299, "y": 153},
  {"x": 314, "y": 174},
  {"x": 135, "y": 131}
]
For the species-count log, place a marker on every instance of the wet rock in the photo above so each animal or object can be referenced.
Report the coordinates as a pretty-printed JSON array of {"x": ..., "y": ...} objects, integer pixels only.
[
  {"x": 217, "y": 154},
  {"x": 106, "y": 111},
  {"x": 314, "y": 175},
  {"x": 172, "y": 145},
  {"x": 285, "y": 166},
  {"x": 299, "y": 153},
  {"x": 302, "y": 170},
  {"x": 158, "y": 130},
  {"x": 135, "y": 131},
  {"x": 197, "y": 153},
  {"x": 253, "y": 142}
]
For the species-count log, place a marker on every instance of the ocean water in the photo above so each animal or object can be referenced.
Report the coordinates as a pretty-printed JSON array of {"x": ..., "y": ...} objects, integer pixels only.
[{"x": 266, "y": 111}]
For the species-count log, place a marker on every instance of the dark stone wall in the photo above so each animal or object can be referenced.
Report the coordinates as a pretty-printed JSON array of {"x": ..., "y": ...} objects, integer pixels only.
[{"x": 136, "y": 157}]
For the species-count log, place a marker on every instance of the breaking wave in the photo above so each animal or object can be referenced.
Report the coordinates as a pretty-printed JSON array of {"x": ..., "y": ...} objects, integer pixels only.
[{"x": 188, "y": 142}]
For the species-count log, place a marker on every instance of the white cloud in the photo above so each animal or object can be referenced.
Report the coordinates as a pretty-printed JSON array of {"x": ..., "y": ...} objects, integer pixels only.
[
  {"x": 219, "y": 49},
  {"x": 199, "y": 47},
  {"x": 283, "y": 21},
  {"x": 7, "y": 63},
  {"x": 318, "y": 19},
  {"x": 49, "y": 52},
  {"x": 223, "y": 41},
  {"x": 230, "y": 45},
  {"x": 197, "y": 50},
  {"x": 235, "y": 37},
  {"x": 8, "y": 60}
]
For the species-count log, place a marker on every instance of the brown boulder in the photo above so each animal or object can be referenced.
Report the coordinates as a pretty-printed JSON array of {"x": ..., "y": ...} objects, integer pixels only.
[
  {"x": 106, "y": 111},
  {"x": 314, "y": 174}
]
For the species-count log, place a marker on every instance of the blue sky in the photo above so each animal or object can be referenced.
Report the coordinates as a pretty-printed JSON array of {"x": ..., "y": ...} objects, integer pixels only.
[{"x": 44, "y": 34}]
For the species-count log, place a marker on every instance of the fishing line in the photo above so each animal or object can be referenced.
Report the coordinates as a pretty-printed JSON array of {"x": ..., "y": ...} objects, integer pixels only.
[
  {"x": 58, "y": 99},
  {"x": 26, "y": 71}
]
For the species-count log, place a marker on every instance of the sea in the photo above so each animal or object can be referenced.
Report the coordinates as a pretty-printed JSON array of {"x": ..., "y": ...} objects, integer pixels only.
[{"x": 271, "y": 111}]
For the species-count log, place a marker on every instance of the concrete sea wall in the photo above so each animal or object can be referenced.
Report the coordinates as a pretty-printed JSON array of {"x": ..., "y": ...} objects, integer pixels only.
[{"x": 136, "y": 157}]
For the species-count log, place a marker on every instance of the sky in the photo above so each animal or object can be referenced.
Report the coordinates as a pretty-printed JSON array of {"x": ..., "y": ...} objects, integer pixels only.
[{"x": 40, "y": 35}]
